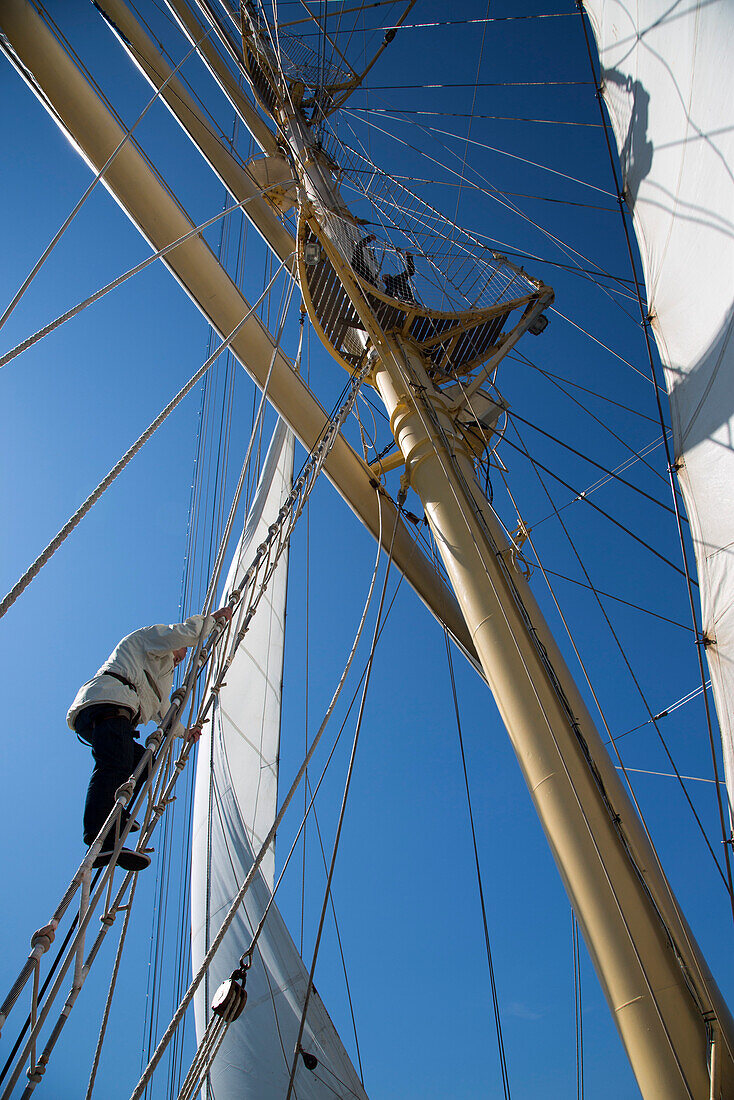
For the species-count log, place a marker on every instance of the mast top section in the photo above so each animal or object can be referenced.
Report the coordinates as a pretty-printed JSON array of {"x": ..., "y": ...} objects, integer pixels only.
[
  {"x": 456, "y": 342},
  {"x": 371, "y": 251},
  {"x": 319, "y": 77}
]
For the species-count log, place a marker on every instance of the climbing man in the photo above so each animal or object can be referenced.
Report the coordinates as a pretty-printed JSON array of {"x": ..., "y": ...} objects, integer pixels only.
[
  {"x": 399, "y": 286},
  {"x": 363, "y": 259},
  {"x": 132, "y": 686}
]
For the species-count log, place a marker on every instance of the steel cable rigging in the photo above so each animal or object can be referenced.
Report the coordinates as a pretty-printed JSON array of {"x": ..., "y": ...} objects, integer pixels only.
[
  {"x": 626, "y": 660},
  {"x": 480, "y": 886}
]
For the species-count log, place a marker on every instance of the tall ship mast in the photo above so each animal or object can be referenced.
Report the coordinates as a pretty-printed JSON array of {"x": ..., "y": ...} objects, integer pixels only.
[{"x": 426, "y": 317}]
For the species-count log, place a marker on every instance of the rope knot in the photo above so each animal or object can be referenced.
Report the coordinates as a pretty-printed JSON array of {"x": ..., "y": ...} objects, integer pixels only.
[
  {"x": 44, "y": 937},
  {"x": 125, "y": 791}
]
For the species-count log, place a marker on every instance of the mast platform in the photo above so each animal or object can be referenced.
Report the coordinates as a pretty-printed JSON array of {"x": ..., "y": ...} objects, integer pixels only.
[{"x": 454, "y": 342}]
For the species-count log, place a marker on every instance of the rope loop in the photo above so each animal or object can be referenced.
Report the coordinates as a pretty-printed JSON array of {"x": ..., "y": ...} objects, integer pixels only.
[
  {"x": 153, "y": 741},
  {"x": 125, "y": 791},
  {"x": 44, "y": 937}
]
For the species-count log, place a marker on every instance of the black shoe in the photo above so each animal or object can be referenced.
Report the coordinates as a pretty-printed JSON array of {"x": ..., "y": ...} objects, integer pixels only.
[
  {"x": 127, "y": 859},
  {"x": 134, "y": 828}
]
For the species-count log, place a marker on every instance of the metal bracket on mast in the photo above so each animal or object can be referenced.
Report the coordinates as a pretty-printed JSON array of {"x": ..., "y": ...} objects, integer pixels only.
[{"x": 392, "y": 461}]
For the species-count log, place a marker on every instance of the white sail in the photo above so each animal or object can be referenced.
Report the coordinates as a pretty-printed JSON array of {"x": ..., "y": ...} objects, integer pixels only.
[
  {"x": 247, "y": 722},
  {"x": 669, "y": 86},
  {"x": 235, "y": 804}
]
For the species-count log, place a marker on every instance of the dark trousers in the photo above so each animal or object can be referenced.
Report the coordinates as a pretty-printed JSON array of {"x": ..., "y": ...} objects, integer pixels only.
[{"x": 116, "y": 755}]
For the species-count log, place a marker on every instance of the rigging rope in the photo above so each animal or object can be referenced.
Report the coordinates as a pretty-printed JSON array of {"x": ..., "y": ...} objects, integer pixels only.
[
  {"x": 668, "y": 710},
  {"x": 208, "y": 601},
  {"x": 111, "y": 992},
  {"x": 610, "y": 595},
  {"x": 248, "y": 596},
  {"x": 495, "y": 194},
  {"x": 247, "y": 957},
  {"x": 557, "y": 379},
  {"x": 444, "y": 22},
  {"x": 670, "y": 775},
  {"x": 611, "y": 475},
  {"x": 480, "y": 885},
  {"x": 160, "y": 254},
  {"x": 297, "y": 499},
  {"x": 340, "y": 945},
  {"x": 578, "y": 1006},
  {"x": 177, "y": 841},
  {"x": 206, "y": 1052},
  {"x": 342, "y": 810},
  {"x": 574, "y": 324},
  {"x": 33, "y": 570},
  {"x": 59, "y": 234},
  {"x": 476, "y": 522},
  {"x": 494, "y": 84},
  {"x": 471, "y": 119},
  {"x": 628, "y": 665},
  {"x": 47, "y": 981},
  {"x": 580, "y": 496},
  {"x": 638, "y": 454},
  {"x": 254, "y": 592},
  {"x": 257, "y": 422}
]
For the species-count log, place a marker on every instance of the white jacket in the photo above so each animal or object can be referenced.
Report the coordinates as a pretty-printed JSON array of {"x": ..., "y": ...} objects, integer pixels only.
[{"x": 145, "y": 658}]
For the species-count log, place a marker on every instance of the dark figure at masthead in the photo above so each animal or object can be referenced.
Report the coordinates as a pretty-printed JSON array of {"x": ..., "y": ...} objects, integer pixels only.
[
  {"x": 399, "y": 286},
  {"x": 363, "y": 260}
]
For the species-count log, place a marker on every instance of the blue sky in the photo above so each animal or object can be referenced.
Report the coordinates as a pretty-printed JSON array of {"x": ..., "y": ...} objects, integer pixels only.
[{"x": 405, "y": 889}]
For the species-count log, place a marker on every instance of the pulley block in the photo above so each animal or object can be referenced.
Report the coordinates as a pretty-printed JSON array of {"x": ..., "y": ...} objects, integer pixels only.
[{"x": 231, "y": 998}]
